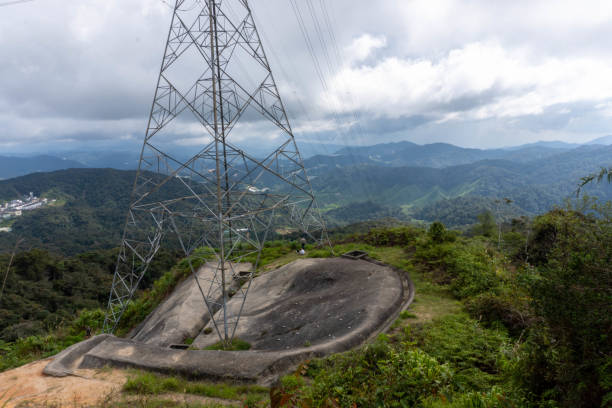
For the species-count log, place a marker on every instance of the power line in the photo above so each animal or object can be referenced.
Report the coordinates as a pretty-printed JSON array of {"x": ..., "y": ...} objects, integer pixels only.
[
  {"x": 357, "y": 132},
  {"x": 10, "y": 3},
  {"x": 8, "y": 268}
]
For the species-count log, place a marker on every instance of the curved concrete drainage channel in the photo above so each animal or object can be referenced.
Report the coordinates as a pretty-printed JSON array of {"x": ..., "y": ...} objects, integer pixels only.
[{"x": 309, "y": 308}]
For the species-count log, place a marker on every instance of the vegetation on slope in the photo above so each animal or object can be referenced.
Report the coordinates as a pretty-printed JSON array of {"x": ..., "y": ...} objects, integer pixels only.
[
  {"x": 143, "y": 383},
  {"x": 43, "y": 304},
  {"x": 524, "y": 333},
  {"x": 521, "y": 324},
  {"x": 44, "y": 290}
]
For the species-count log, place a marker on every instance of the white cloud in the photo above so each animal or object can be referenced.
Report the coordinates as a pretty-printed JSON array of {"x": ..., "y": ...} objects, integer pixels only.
[
  {"x": 363, "y": 46},
  {"x": 91, "y": 68},
  {"x": 477, "y": 81}
]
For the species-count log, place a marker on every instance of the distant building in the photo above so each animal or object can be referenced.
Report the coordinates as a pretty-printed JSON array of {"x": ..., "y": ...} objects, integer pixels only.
[{"x": 15, "y": 208}]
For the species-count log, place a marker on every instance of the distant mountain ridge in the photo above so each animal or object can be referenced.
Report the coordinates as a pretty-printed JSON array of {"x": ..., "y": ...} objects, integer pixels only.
[
  {"x": 396, "y": 154},
  {"x": 604, "y": 140},
  {"x": 440, "y": 155}
]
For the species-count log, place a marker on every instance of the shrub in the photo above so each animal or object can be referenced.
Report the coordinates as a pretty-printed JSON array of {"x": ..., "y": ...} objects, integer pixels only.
[
  {"x": 469, "y": 267},
  {"x": 437, "y": 232},
  {"x": 375, "y": 375},
  {"x": 94, "y": 319},
  {"x": 473, "y": 351},
  {"x": 494, "y": 398},
  {"x": 571, "y": 295},
  {"x": 473, "y": 270},
  {"x": 509, "y": 309}
]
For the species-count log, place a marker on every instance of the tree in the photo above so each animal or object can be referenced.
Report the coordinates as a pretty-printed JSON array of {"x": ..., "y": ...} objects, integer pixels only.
[
  {"x": 437, "y": 232},
  {"x": 572, "y": 296},
  {"x": 603, "y": 173},
  {"x": 486, "y": 225}
]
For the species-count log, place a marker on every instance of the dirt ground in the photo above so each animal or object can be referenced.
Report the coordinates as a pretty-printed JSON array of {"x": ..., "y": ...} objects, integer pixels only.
[{"x": 26, "y": 386}]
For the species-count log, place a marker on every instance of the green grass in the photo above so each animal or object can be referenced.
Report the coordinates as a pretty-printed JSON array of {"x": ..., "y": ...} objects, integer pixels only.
[
  {"x": 152, "y": 402},
  {"x": 32, "y": 348},
  {"x": 28, "y": 349},
  {"x": 236, "y": 345},
  {"x": 144, "y": 383},
  {"x": 405, "y": 314}
]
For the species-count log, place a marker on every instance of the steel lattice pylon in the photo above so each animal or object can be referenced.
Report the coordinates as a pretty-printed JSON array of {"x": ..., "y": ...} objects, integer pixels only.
[{"x": 219, "y": 202}]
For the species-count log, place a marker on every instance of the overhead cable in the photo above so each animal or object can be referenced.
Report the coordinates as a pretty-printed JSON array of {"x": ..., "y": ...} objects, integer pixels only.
[{"x": 10, "y": 3}]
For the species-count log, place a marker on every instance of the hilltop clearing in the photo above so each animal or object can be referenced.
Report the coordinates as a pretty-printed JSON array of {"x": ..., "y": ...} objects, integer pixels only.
[{"x": 514, "y": 323}]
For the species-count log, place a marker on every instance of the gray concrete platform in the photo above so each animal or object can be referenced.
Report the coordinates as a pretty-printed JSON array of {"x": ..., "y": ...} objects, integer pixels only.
[
  {"x": 309, "y": 308},
  {"x": 183, "y": 314},
  {"x": 313, "y": 301}
]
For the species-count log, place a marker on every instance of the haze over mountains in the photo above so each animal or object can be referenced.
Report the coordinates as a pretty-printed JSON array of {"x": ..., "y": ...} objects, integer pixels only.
[
  {"x": 19, "y": 166},
  {"x": 439, "y": 155},
  {"x": 436, "y": 155},
  {"x": 534, "y": 184}
]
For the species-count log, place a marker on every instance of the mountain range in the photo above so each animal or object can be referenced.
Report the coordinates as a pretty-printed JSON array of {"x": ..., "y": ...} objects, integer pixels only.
[
  {"x": 534, "y": 185},
  {"x": 399, "y": 180},
  {"x": 436, "y": 155},
  {"x": 440, "y": 155}
]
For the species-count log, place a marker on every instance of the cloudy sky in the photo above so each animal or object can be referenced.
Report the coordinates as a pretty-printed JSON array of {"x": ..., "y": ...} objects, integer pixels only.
[{"x": 478, "y": 73}]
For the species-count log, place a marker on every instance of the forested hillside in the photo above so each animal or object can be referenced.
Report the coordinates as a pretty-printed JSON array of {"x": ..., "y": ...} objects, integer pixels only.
[
  {"x": 440, "y": 155},
  {"x": 92, "y": 203},
  {"x": 44, "y": 290},
  {"x": 533, "y": 186},
  {"x": 90, "y": 214}
]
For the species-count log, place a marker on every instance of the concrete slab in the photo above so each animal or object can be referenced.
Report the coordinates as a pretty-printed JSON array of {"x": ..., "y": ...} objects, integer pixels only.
[
  {"x": 68, "y": 360},
  {"x": 310, "y": 308},
  {"x": 183, "y": 314},
  {"x": 314, "y": 301}
]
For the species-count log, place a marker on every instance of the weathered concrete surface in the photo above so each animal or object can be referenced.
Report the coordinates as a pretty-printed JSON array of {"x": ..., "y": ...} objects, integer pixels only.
[
  {"x": 183, "y": 313},
  {"x": 68, "y": 360},
  {"x": 206, "y": 364},
  {"x": 310, "y": 308},
  {"x": 313, "y": 302}
]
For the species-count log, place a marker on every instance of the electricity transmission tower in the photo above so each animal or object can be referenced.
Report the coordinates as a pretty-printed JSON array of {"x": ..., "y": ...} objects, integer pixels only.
[{"x": 215, "y": 93}]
